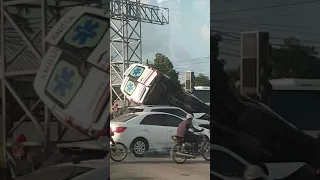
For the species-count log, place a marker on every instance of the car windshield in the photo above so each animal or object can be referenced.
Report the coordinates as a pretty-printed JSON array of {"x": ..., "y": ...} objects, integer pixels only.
[
  {"x": 124, "y": 118},
  {"x": 135, "y": 110},
  {"x": 56, "y": 173},
  {"x": 203, "y": 95}
]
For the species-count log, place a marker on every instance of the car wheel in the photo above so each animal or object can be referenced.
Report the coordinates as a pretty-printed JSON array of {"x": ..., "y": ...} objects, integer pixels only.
[{"x": 139, "y": 146}]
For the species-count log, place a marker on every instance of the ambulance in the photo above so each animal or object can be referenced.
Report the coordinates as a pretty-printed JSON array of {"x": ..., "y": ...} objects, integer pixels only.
[{"x": 73, "y": 80}]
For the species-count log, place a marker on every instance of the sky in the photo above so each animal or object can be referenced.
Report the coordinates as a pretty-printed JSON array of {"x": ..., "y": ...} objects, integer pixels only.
[
  {"x": 299, "y": 19},
  {"x": 185, "y": 40}
]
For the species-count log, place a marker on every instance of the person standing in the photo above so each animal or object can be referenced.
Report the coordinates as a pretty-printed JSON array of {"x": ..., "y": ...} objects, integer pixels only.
[{"x": 26, "y": 160}]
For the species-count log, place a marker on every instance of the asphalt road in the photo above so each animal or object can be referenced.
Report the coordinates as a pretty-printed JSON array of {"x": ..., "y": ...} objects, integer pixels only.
[{"x": 159, "y": 168}]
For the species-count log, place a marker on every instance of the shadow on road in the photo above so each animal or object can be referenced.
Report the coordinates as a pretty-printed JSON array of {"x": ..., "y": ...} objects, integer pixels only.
[
  {"x": 132, "y": 178},
  {"x": 161, "y": 162}
]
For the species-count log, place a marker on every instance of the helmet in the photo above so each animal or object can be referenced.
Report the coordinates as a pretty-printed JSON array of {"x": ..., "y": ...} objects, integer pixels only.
[{"x": 189, "y": 116}]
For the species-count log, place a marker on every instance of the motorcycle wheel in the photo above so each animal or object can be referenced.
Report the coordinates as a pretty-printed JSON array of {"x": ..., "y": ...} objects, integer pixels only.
[
  {"x": 174, "y": 149},
  {"x": 118, "y": 149},
  {"x": 205, "y": 151}
]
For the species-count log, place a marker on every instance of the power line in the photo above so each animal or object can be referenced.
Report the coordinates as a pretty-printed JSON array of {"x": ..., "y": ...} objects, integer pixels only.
[
  {"x": 237, "y": 39},
  {"x": 258, "y": 18},
  {"x": 271, "y": 25},
  {"x": 271, "y": 37},
  {"x": 266, "y": 28},
  {"x": 267, "y": 7}
]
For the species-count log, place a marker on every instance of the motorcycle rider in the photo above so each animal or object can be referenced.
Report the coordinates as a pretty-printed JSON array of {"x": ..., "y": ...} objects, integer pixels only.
[{"x": 183, "y": 131}]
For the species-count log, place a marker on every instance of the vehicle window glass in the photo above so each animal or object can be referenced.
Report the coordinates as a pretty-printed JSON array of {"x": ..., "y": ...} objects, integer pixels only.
[
  {"x": 54, "y": 173},
  {"x": 65, "y": 81},
  {"x": 179, "y": 113},
  {"x": 154, "y": 119},
  {"x": 226, "y": 165},
  {"x": 130, "y": 87},
  {"x": 84, "y": 36},
  {"x": 172, "y": 121},
  {"x": 203, "y": 95},
  {"x": 136, "y": 72},
  {"x": 124, "y": 118},
  {"x": 176, "y": 112},
  {"x": 160, "y": 110},
  {"x": 134, "y": 110},
  {"x": 297, "y": 107}
]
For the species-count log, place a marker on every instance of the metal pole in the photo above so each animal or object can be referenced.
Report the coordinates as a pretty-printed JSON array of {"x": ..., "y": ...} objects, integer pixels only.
[
  {"x": 47, "y": 123},
  {"x": 140, "y": 31},
  {"x": 123, "y": 46},
  {"x": 3, "y": 143}
]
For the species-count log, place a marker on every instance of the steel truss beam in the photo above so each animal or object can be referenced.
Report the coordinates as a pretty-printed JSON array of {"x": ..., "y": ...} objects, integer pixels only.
[
  {"x": 28, "y": 45},
  {"x": 25, "y": 44},
  {"x": 126, "y": 45},
  {"x": 125, "y": 48}
]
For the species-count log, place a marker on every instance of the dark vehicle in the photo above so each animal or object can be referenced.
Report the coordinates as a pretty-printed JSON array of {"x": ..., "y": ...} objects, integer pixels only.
[
  {"x": 165, "y": 92},
  {"x": 151, "y": 87}
]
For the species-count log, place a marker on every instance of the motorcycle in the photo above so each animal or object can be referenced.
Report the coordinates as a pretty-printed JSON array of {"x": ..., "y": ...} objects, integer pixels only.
[
  {"x": 118, "y": 149},
  {"x": 183, "y": 150}
]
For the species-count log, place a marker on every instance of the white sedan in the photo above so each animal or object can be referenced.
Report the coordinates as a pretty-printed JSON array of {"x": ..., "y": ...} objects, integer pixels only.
[{"x": 147, "y": 131}]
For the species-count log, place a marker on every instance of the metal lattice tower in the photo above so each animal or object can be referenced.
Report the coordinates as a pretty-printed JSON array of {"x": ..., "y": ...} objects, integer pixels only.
[
  {"x": 126, "y": 47},
  {"x": 22, "y": 46}
]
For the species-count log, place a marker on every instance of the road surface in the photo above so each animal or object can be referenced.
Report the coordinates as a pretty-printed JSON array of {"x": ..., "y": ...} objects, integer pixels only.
[{"x": 159, "y": 168}]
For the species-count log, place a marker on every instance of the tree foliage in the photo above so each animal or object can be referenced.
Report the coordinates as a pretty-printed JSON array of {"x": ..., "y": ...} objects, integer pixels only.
[
  {"x": 202, "y": 80},
  {"x": 294, "y": 60},
  {"x": 291, "y": 60},
  {"x": 163, "y": 64}
]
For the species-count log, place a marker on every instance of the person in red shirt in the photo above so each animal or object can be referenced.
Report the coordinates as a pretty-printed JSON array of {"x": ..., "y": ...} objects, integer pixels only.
[
  {"x": 183, "y": 131},
  {"x": 26, "y": 160},
  {"x": 115, "y": 110}
]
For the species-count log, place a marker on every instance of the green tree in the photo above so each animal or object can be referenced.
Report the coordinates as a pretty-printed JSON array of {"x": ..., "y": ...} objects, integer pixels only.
[
  {"x": 163, "y": 64},
  {"x": 202, "y": 80},
  {"x": 294, "y": 60}
]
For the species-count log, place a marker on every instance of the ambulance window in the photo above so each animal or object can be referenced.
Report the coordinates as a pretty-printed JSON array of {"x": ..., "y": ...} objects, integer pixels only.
[
  {"x": 85, "y": 34},
  {"x": 64, "y": 83},
  {"x": 130, "y": 87},
  {"x": 136, "y": 72}
]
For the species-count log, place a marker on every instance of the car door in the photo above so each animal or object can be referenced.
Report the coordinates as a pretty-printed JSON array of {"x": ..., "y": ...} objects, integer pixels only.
[
  {"x": 155, "y": 130},
  {"x": 172, "y": 123}
]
